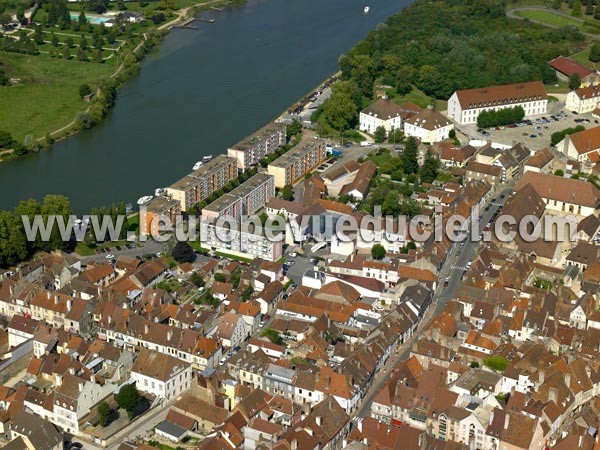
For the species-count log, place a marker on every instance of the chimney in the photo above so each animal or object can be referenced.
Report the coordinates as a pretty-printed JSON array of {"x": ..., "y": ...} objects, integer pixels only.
[
  {"x": 359, "y": 423},
  {"x": 48, "y": 294},
  {"x": 56, "y": 299},
  {"x": 146, "y": 328},
  {"x": 541, "y": 377},
  {"x": 80, "y": 387},
  {"x": 71, "y": 370},
  {"x": 568, "y": 379},
  {"x": 169, "y": 335},
  {"x": 110, "y": 320},
  {"x": 294, "y": 444},
  {"x": 506, "y": 421},
  {"x": 69, "y": 305},
  {"x": 319, "y": 420}
]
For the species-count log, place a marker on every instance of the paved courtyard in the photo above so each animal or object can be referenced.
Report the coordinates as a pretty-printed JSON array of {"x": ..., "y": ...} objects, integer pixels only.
[{"x": 525, "y": 133}]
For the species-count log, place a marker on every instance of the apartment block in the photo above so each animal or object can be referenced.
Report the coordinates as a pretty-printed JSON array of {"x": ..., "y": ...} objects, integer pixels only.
[
  {"x": 239, "y": 240},
  {"x": 201, "y": 183},
  {"x": 244, "y": 200},
  {"x": 159, "y": 208},
  {"x": 292, "y": 166},
  {"x": 252, "y": 149}
]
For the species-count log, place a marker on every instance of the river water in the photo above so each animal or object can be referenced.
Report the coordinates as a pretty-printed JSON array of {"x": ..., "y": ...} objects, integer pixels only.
[{"x": 202, "y": 91}]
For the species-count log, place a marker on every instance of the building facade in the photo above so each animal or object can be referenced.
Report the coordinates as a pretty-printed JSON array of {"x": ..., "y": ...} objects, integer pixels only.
[
  {"x": 201, "y": 183},
  {"x": 250, "y": 151},
  {"x": 294, "y": 165},
  {"x": 465, "y": 106}
]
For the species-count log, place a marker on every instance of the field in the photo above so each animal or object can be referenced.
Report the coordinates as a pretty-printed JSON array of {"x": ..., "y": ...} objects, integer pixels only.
[
  {"x": 46, "y": 97},
  {"x": 549, "y": 18},
  {"x": 418, "y": 97}
]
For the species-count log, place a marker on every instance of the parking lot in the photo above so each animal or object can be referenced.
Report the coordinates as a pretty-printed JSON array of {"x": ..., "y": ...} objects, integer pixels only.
[{"x": 535, "y": 133}]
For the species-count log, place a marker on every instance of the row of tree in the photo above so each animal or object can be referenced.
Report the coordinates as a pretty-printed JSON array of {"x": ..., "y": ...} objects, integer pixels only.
[
  {"x": 14, "y": 245},
  {"x": 506, "y": 116}
]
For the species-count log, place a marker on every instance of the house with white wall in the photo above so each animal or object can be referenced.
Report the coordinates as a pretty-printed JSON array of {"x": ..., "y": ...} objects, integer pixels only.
[{"x": 160, "y": 374}]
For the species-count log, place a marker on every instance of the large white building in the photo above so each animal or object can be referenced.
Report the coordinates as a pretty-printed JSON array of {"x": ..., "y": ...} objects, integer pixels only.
[
  {"x": 583, "y": 100},
  {"x": 465, "y": 106},
  {"x": 428, "y": 126},
  {"x": 381, "y": 113},
  {"x": 160, "y": 374}
]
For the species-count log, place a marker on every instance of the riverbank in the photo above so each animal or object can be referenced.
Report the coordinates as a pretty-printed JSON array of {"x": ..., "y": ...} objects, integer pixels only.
[{"x": 42, "y": 106}]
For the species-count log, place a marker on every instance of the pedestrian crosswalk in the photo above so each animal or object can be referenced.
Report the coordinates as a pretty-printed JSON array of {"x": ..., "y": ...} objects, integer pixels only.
[{"x": 457, "y": 267}]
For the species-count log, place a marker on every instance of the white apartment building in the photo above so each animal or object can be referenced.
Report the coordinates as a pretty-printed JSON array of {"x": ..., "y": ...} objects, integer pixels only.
[
  {"x": 239, "y": 240},
  {"x": 465, "y": 106}
]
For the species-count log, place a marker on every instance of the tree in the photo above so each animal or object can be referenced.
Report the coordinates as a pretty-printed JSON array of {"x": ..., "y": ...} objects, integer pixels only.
[
  {"x": 197, "y": 280},
  {"x": 576, "y": 11},
  {"x": 293, "y": 129},
  {"x": 104, "y": 413},
  {"x": 37, "y": 35},
  {"x": 410, "y": 158},
  {"x": 69, "y": 42},
  {"x": 183, "y": 252},
  {"x": 589, "y": 9},
  {"x": 82, "y": 20},
  {"x": 287, "y": 192},
  {"x": 559, "y": 173},
  {"x": 54, "y": 40},
  {"x": 380, "y": 134},
  {"x": 340, "y": 110},
  {"x": 128, "y": 398},
  {"x": 497, "y": 363},
  {"x": 3, "y": 78},
  {"x": 395, "y": 136},
  {"x": 556, "y": 4},
  {"x": 429, "y": 170},
  {"x": 6, "y": 139},
  {"x": 13, "y": 242},
  {"x": 84, "y": 90},
  {"x": 574, "y": 82},
  {"x": 83, "y": 44},
  {"x": 595, "y": 52},
  {"x": 273, "y": 335},
  {"x": 378, "y": 252},
  {"x": 391, "y": 204}
]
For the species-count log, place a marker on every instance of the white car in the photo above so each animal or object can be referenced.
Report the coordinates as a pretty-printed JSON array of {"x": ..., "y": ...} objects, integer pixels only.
[
  {"x": 110, "y": 256},
  {"x": 293, "y": 254}
]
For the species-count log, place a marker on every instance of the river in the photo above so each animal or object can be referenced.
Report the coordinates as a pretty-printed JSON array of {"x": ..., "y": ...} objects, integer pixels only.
[{"x": 202, "y": 91}]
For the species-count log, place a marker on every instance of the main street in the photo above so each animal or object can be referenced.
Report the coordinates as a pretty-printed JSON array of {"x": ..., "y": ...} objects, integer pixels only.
[{"x": 452, "y": 268}]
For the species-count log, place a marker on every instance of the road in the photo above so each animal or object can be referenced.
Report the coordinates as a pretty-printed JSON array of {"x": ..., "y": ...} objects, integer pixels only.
[
  {"x": 512, "y": 14},
  {"x": 456, "y": 260}
]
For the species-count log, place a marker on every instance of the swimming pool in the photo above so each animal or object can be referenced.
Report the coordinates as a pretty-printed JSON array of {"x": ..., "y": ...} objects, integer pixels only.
[{"x": 93, "y": 19}]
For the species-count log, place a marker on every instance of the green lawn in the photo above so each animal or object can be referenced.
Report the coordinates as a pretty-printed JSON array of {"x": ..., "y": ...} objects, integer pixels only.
[
  {"x": 47, "y": 96},
  {"x": 550, "y": 18},
  {"x": 417, "y": 97},
  {"x": 583, "y": 58}
]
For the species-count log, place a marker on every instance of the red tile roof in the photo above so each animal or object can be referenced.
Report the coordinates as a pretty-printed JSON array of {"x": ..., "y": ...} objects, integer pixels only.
[{"x": 568, "y": 67}]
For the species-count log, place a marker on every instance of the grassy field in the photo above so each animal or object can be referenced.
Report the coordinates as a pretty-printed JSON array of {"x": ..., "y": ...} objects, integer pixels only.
[
  {"x": 418, "y": 97},
  {"x": 47, "y": 97},
  {"x": 583, "y": 58},
  {"x": 550, "y": 18}
]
